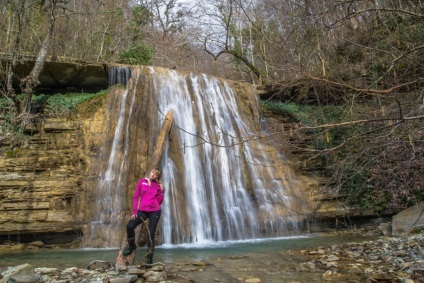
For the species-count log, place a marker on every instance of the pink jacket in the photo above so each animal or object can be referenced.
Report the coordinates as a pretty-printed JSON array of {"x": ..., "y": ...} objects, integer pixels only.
[{"x": 151, "y": 197}]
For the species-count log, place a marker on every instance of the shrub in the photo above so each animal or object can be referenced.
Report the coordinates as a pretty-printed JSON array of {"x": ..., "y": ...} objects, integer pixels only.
[{"x": 136, "y": 55}]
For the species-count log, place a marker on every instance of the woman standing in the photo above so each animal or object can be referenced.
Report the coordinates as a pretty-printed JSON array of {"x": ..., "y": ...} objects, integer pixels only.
[{"x": 148, "y": 197}]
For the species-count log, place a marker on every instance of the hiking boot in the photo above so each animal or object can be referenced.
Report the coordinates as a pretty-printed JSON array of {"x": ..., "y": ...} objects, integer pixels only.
[
  {"x": 131, "y": 247},
  {"x": 149, "y": 259}
]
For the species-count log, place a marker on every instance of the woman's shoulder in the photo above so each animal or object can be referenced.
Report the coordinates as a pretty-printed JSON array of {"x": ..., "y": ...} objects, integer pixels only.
[{"x": 143, "y": 181}]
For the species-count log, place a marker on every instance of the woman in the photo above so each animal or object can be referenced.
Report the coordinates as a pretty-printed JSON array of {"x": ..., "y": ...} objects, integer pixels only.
[{"x": 148, "y": 197}]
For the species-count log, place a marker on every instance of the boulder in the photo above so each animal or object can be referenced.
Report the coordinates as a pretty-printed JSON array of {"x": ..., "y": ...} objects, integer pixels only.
[
  {"x": 408, "y": 220},
  {"x": 25, "y": 270}
]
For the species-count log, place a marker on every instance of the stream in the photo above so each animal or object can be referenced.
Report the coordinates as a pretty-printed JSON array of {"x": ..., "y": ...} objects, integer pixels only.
[{"x": 228, "y": 261}]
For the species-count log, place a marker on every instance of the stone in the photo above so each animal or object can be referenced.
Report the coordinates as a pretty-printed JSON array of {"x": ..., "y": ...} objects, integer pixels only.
[
  {"x": 303, "y": 252},
  {"x": 386, "y": 228},
  {"x": 157, "y": 267},
  {"x": 16, "y": 247},
  {"x": 136, "y": 271},
  {"x": 307, "y": 266},
  {"x": 122, "y": 268},
  {"x": 330, "y": 264},
  {"x": 37, "y": 243},
  {"x": 152, "y": 276},
  {"x": 200, "y": 263},
  {"x": 132, "y": 278},
  {"x": 120, "y": 280},
  {"x": 355, "y": 270},
  {"x": 408, "y": 219},
  {"x": 252, "y": 280},
  {"x": 332, "y": 258},
  {"x": 27, "y": 278},
  {"x": 23, "y": 269},
  {"x": 46, "y": 270},
  {"x": 380, "y": 277},
  {"x": 329, "y": 274}
]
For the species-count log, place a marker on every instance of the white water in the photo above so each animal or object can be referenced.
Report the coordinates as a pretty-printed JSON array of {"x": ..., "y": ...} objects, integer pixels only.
[
  {"x": 109, "y": 206},
  {"x": 119, "y": 75},
  {"x": 220, "y": 192},
  {"x": 218, "y": 205}
]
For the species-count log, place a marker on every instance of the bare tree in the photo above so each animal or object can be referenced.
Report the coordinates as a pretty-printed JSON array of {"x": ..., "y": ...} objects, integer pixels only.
[
  {"x": 20, "y": 10},
  {"x": 227, "y": 31}
]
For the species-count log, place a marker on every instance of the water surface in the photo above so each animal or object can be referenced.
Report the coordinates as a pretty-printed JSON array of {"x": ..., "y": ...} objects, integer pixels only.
[{"x": 64, "y": 258}]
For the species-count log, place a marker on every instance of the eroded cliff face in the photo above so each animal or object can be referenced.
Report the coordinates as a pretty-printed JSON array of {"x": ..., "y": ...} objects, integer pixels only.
[{"x": 43, "y": 185}]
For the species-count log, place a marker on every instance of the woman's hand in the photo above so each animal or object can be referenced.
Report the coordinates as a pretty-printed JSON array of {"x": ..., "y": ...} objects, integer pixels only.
[
  {"x": 134, "y": 216},
  {"x": 161, "y": 185}
]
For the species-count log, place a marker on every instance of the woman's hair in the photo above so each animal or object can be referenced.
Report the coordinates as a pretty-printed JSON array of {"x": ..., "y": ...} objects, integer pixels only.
[{"x": 156, "y": 170}]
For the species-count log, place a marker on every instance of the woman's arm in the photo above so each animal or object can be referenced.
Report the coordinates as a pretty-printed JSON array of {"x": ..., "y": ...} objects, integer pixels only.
[
  {"x": 161, "y": 193},
  {"x": 136, "y": 198}
]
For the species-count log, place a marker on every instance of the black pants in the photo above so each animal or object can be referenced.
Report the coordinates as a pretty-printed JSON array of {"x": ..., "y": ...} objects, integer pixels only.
[{"x": 141, "y": 217}]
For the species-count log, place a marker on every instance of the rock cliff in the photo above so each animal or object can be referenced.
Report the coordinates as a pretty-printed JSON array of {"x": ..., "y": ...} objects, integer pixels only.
[
  {"x": 43, "y": 184},
  {"x": 61, "y": 73}
]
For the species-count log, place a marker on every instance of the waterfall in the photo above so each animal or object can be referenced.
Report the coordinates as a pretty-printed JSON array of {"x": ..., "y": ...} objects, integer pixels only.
[
  {"x": 109, "y": 204},
  {"x": 119, "y": 75},
  {"x": 222, "y": 181}
]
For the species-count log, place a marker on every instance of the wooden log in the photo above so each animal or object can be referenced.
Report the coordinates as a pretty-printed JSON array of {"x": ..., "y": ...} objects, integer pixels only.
[
  {"x": 161, "y": 141},
  {"x": 154, "y": 162}
]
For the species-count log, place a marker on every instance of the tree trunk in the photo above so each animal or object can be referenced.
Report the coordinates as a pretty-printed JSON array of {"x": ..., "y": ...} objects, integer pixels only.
[{"x": 31, "y": 81}]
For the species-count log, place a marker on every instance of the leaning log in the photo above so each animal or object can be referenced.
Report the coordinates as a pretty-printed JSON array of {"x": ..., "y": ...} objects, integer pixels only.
[
  {"x": 161, "y": 142},
  {"x": 154, "y": 162}
]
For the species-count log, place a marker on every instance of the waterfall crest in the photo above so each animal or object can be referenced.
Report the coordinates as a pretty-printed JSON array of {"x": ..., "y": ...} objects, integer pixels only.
[{"x": 215, "y": 167}]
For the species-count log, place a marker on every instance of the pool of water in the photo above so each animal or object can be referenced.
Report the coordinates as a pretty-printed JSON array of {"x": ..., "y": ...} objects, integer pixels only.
[{"x": 64, "y": 258}]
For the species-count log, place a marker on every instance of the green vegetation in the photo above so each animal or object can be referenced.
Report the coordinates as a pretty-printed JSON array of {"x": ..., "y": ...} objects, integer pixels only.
[
  {"x": 60, "y": 105},
  {"x": 136, "y": 55},
  {"x": 292, "y": 110}
]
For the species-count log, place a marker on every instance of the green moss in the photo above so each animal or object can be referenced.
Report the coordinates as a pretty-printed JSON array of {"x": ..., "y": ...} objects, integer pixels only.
[
  {"x": 417, "y": 230},
  {"x": 60, "y": 105},
  {"x": 291, "y": 110},
  {"x": 12, "y": 152}
]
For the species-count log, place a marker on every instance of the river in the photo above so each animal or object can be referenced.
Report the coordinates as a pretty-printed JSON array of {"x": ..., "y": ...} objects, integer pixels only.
[{"x": 228, "y": 261}]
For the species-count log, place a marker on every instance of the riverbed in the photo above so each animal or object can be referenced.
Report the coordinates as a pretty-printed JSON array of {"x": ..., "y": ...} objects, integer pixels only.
[{"x": 267, "y": 260}]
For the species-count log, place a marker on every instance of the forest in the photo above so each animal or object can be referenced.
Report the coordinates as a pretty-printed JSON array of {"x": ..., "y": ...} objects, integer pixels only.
[{"x": 347, "y": 75}]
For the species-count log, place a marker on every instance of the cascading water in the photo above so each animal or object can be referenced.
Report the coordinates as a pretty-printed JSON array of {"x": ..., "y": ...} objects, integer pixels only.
[
  {"x": 119, "y": 75},
  {"x": 109, "y": 204},
  {"x": 218, "y": 184},
  {"x": 228, "y": 194}
]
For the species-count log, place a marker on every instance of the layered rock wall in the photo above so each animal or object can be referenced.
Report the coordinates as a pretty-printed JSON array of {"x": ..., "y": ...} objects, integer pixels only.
[{"x": 43, "y": 185}]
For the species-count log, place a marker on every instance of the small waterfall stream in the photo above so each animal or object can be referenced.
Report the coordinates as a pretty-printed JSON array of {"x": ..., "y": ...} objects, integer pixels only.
[{"x": 215, "y": 168}]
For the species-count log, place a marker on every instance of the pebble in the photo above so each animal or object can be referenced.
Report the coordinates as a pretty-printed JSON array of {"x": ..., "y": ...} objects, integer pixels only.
[{"x": 252, "y": 280}]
